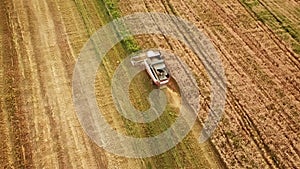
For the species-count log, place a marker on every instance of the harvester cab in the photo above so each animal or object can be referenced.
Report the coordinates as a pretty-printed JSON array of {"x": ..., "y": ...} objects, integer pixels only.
[{"x": 155, "y": 66}]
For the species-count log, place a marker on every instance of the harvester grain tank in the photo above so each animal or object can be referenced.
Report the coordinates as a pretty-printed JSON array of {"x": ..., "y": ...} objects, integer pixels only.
[{"x": 155, "y": 66}]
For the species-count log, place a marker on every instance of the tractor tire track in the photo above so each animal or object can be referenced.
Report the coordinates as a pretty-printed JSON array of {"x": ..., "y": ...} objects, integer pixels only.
[
  {"x": 257, "y": 82},
  {"x": 241, "y": 68},
  {"x": 225, "y": 15}
]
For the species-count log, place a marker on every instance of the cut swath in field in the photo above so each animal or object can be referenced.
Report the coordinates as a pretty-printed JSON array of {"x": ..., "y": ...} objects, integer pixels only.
[
  {"x": 188, "y": 148},
  {"x": 283, "y": 23},
  {"x": 257, "y": 64}
]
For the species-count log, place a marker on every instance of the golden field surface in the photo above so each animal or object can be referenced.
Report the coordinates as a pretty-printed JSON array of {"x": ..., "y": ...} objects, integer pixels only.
[{"x": 258, "y": 42}]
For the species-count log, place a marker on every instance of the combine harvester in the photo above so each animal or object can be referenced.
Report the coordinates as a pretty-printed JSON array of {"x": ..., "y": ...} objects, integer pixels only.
[{"x": 155, "y": 66}]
